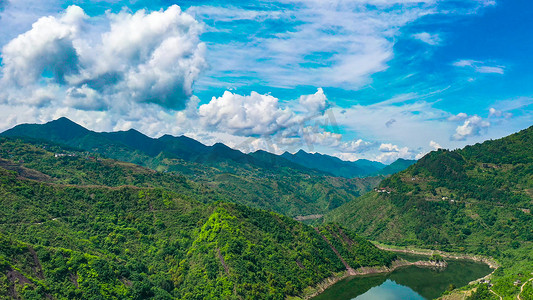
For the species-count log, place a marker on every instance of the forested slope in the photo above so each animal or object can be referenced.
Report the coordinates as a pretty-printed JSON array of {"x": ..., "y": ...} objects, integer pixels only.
[
  {"x": 85, "y": 227},
  {"x": 261, "y": 180},
  {"x": 477, "y": 200}
]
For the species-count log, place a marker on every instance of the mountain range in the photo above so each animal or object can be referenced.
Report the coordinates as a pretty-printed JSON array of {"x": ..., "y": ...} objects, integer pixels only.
[
  {"x": 112, "y": 144},
  {"x": 124, "y": 215},
  {"x": 76, "y": 225},
  {"x": 296, "y": 187}
]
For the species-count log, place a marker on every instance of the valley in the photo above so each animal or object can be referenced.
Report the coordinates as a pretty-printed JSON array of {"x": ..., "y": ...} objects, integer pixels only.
[{"x": 78, "y": 222}]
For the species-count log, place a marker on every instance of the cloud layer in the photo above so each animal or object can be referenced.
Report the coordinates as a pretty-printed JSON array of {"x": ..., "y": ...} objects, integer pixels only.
[{"x": 146, "y": 70}]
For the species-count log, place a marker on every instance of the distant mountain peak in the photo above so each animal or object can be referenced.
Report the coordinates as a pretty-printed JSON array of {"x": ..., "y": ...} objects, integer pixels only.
[
  {"x": 64, "y": 121},
  {"x": 334, "y": 165},
  {"x": 58, "y": 130}
]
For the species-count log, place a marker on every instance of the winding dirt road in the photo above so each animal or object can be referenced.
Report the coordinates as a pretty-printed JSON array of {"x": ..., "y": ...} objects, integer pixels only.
[{"x": 522, "y": 289}]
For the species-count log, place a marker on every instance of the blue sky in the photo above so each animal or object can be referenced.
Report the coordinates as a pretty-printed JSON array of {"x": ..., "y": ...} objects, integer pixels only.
[{"x": 374, "y": 79}]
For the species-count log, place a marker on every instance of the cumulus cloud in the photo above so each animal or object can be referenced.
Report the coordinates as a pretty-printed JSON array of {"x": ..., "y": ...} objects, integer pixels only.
[
  {"x": 434, "y": 145},
  {"x": 314, "y": 135},
  {"x": 84, "y": 98},
  {"x": 263, "y": 114},
  {"x": 498, "y": 113},
  {"x": 480, "y": 67},
  {"x": 46, "y": 51},
  {"x": 145, "y": 57},
  {"x": 315, "y": 103},
  {"x": 472, "y": 126},
  {"x": 458, "y": 117},
  {"x": 428, "y": 38},
  {"x": 388, "y": 148},
  {"x": 255, "y": 114},
  {"x": 391, "y": 152},
  {"x": 494, "y": 112},
  {"x": 356, "y": 146}
]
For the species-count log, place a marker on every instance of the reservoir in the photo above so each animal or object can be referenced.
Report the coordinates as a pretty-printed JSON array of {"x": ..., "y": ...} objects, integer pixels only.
[{"x": 412, "y": 282}]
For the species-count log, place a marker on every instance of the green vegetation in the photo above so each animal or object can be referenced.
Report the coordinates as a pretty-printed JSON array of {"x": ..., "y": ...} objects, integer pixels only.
[
  {"x": 482, "y": 293},
  {"x": 81, "y": 226},
  {"x": 260, "y": 180},
  {"x": 73, "y": 218},
  {"x": 476, "y": 200}
]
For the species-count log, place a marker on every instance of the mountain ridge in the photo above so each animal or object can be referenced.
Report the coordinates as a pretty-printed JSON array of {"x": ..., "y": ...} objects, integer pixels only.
[
  {"x": 70, "y": 133},
  {"x": 283, "y": 189},
  {"x": 334, "y": 165},
  {"x": 477, "y": 200}
]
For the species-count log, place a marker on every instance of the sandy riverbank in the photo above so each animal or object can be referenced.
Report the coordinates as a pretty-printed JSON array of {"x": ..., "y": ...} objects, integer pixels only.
[{"x": 492, "y": 263}]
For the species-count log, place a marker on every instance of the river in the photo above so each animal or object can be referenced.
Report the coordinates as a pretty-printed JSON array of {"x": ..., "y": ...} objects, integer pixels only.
[{"x": 416, "y": 283}]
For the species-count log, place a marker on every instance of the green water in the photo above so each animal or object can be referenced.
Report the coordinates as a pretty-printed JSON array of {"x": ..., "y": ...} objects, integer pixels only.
[{"x": 411, "y": 282}]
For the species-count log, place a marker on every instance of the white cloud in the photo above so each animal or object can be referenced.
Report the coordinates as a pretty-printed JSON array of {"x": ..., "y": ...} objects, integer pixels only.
[
  {"x": 306, "y": 52},
  {"x": 314, "y": 135},
  {"x": 488, "y": 2},
  {"x": 46, "y": 48},
  {"x": 489, "y": 70},
  {"x": 348, "y": 156},
  {"x": 391, "y": 153},
  {"x": 132, "y": 68},
  {"x": 458, "y": 117},
  {"x": 428, "y": 38},
  {"x": 499, "y": 113},
  {"x": 263, "y": 114},
  {"x": 142, "y": 57},
  {"x": 315, "y": 103},
  {"x": 302, "y": 50},
  {"x": 464, "y": 63},
  {"x": 255, "y": 114},
  {"x": 479, "y": 66},
  {"x": 388, "y": 148},
  {"x": 355, "y": 146},
  {"x": 494, "y": 112},
  {"x": 84, "y": 98},
  {"x": 472, "y": 126},
  {"x": 435, "y": 145},
  {"x": 415, "y": 121},
  {"x": 228, "y": 14},
  {"x": 520, "y": 103}
]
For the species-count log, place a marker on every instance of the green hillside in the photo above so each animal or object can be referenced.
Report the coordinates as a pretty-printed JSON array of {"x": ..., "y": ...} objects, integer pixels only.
[
  {"x": 261, "y": 180},
  {"x": 477, "y": 200},
  {"x": 289, "y": 192},
  {"x": 90, "y": 228}
]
